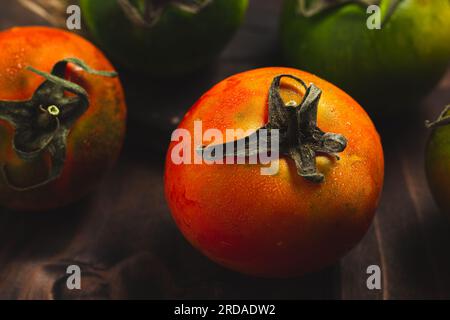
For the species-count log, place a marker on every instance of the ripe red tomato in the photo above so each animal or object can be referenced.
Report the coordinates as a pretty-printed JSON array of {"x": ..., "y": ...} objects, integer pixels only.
[
  {"x": 58, "y": 137},
  {"x": 284, "y": 224}
]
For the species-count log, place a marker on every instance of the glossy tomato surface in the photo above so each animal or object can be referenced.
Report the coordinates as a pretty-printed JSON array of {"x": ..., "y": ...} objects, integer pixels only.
[
  {"x": 276, "y": 225},
  {"x": 94, "y": 140},
  {"x": 438, "y": 165},
  {"x": 178, "y": 42},
  {"x": 382, "y": 68}
]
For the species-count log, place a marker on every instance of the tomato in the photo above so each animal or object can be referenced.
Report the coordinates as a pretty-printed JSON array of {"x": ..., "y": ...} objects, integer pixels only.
[
  {"x": 298, "y": 220},
  {"x": 383, "y": 68},
  {"x": 165, "y": 37},
  {"x": 437, "y": 160},
  {"x": 62, "y": 122}
]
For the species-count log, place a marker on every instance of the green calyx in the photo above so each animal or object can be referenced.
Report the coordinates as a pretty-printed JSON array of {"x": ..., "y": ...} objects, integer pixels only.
[
  {"x": 43, "y": 123},
  {"x": 296, "y": 125},
  {"x": 312, "y": 8},
  {"x": 442, "y": 120},
  {"x": 146, "y": 13}
]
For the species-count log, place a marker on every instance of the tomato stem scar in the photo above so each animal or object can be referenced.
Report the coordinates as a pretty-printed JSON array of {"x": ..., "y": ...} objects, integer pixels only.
[
  {"x": 53, "y": 110},
  {"x": 291, "y": 103}
]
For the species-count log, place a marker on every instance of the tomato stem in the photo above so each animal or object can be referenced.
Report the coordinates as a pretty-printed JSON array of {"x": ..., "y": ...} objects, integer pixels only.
[
  {"x": 148, "y": 12},
  {"x": 300, "y": 137},
  {"x": 443, "y": 119},
  {"x": 44, "y": 122},
  {"x": 318, "y": 6}
]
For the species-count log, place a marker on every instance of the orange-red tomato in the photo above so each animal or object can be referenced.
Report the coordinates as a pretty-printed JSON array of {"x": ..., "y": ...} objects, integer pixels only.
[
  {"x": 276, "y": 225},
  {"x": 95, "y": 138}
]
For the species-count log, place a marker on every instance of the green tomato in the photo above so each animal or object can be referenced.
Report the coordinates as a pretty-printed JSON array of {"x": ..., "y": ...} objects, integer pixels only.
[
  {"x": 386, "y": 67},
  {"x": 163, "y": 37},
  {"x": 437, "y": 161}
]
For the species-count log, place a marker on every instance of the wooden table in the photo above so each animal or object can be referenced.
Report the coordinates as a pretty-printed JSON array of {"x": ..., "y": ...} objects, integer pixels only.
[{"x": 128, "y": 246}]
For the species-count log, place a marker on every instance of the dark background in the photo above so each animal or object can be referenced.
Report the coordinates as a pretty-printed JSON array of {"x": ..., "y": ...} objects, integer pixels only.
[{"x": 127, "y": 245}]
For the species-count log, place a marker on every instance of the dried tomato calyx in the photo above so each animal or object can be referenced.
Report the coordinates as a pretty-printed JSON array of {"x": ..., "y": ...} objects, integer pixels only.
[
  {"x": 43, "y": 123},
  {"x": 300, "y": 137},
  {"x": 318, "y": 6},
  {"x": 146, "y": 13},
  {"x": 442, "y": 120}
]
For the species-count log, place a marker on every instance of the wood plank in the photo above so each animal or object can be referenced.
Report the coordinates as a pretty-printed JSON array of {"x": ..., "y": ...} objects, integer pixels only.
[{"x": 410, "y": 237}]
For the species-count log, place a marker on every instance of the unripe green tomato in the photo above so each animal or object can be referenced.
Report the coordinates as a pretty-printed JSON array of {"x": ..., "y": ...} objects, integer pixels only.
[
  {"x": 437, "y": 164},
  {"x": 168, "y": 37},
  {"x": 382, "y": 68}
]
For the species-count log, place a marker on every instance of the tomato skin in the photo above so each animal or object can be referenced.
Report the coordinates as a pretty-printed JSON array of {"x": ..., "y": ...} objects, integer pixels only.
[
  {"x": 179, "y": 43},
  {"x": 437, "y": 164},
  {"x": 383, "y": 69},
  {"x": 280, "y": 225},
  {"x": 94, "y": 141}
]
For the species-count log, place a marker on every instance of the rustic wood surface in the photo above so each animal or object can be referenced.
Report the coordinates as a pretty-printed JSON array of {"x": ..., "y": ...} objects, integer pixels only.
[{"x": 128, "y": 246}]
